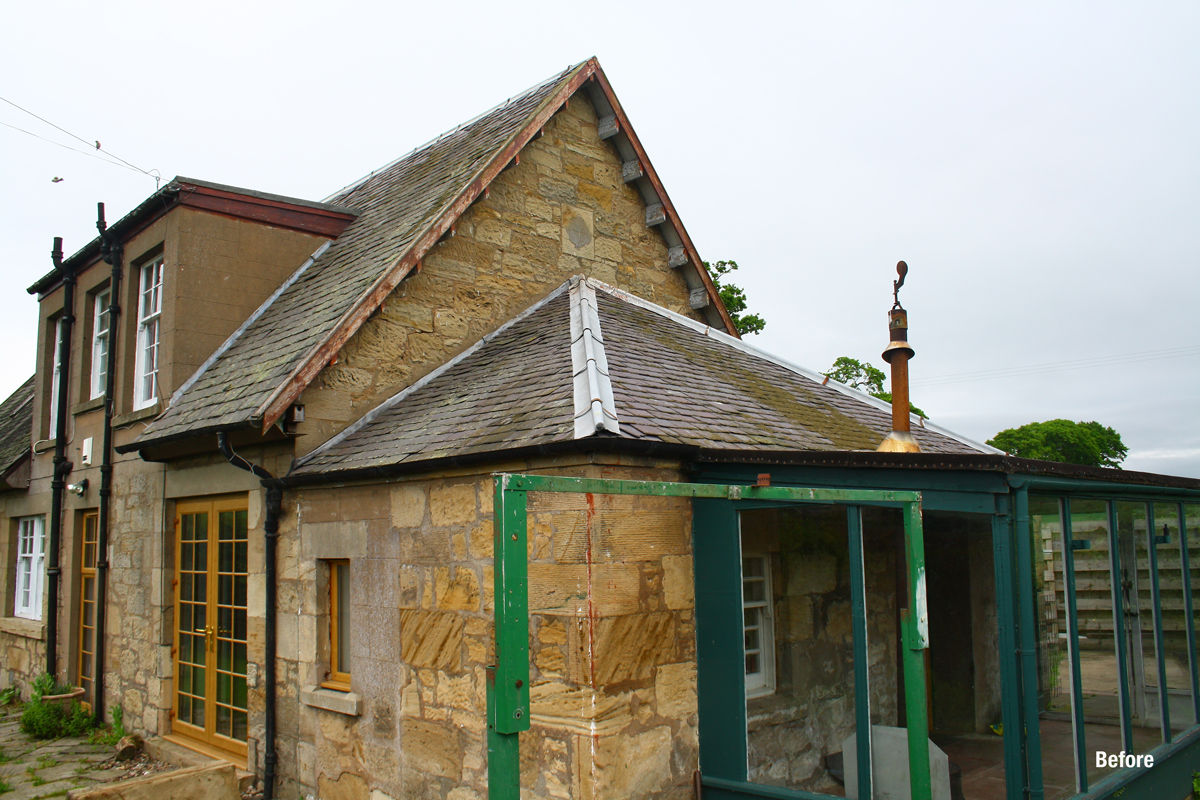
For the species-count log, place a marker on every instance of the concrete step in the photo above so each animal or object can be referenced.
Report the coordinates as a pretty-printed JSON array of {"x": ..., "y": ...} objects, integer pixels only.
[{"x": 161, "y": 749}]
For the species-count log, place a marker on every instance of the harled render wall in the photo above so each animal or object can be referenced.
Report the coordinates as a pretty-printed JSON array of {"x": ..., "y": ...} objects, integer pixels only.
[
  {"x": 563, "y": 210},
  {"x": 612, "y": 630}
]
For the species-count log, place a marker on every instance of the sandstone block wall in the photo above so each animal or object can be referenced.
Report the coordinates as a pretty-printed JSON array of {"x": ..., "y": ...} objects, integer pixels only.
[
  {"x": 612, "y": 640},
  {"x": 563, "y": 210}
]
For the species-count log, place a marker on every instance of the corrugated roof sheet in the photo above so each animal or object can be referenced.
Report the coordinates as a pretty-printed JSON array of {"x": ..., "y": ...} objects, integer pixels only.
[
  {"x": 16, "y": 425},
  {"x": 395, "y": 205},
  {"x": 674, "y": 381}
]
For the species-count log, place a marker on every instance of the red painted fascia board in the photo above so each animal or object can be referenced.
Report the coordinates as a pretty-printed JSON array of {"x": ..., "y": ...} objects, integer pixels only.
[
  {"x": 322, "y": 222},
  {"x": 668, "y": 207},
  {"x": 324, "y": 351}
]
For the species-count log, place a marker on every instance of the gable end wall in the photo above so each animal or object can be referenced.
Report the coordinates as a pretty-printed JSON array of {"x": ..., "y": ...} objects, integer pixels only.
[{"x": 563, "y": 210}]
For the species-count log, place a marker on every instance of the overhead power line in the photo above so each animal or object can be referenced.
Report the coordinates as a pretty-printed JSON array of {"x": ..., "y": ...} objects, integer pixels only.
[
  {"x": 1057, "y": 366},
  {"x": 95, "y": 143}
]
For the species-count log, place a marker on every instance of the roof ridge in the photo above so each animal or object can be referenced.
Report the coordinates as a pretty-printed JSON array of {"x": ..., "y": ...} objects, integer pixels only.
[
  {"x": 502, "y": 104},
  {"x": 750, "y": 349},
  {"x": 371, "y": 415},
  {"x": 595, "y": 408}
]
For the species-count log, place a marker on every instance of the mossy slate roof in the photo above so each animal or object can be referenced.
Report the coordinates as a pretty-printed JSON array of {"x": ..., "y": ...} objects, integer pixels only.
[
  {"x": 396, "y": 206},
  {"x": 674, "y": 381},
  {"x": 16, "y": 425}
]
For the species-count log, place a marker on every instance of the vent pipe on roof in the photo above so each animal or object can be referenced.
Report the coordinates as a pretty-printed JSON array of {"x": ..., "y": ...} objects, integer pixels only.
[{"x": 897, "y": 354}]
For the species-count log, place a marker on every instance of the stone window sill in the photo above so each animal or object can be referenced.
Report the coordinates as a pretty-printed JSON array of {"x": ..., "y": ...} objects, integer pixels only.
[
  {"x": 26, "y": 628},
  {"x": 148, "y": 412},
  {"x": 348, "y": 703},
  {"x": 88, "y": 405}
]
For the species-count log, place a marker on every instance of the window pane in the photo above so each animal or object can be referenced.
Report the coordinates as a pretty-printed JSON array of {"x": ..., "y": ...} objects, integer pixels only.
[{"x": 343, "y": 612}]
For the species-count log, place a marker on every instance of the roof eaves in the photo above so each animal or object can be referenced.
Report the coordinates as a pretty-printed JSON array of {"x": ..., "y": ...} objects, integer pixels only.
[
  {"x": 672, "y": 216},
  {"x": 742, "y": 345},
  {"x": 323, "y": 351},
  {"x": 399, "y": 397}
]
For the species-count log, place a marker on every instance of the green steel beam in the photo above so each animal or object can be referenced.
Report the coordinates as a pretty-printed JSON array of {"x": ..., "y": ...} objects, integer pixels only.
[
  {"x": 508, "y": 680},
  {"x": 1164, "y": 704},
  {"x": 1101, "y": 490},
  {"x": 1187, "y": 607},
  {"x": 1077, "y": 727},
  {"x": 551, "y": 483},
  {"x": 1010, "y": 682},
  {"x": 914, "y": 626},
  {"x": 504, "y": 757},
  {"x": 1027, "y": 634},
  {"x": 862, "y": 693},
  {"x": 510, "y": 711},
  {"x": 1118, "y": 609}
]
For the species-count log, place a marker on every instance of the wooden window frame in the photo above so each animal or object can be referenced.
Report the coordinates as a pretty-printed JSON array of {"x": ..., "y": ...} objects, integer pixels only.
[
  {"x": 101, "y": 342},
  {"x": 761, "y": 682},
  {"x": 147, "y": 359},
  {"x": 28, "y": 584},
  {"x": 337, "y": 679}
]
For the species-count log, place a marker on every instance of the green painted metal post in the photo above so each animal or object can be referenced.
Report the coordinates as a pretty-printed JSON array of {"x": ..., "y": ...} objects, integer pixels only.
[
  {"x": 914, "y": 626},
  {"x": 1010, "y": 682},
  {"x": 508, "y": 680},
  {"x": 862, "y": 693},
  {"x": 1190, "y": 621},
  {"x": 1027, "y": 634},
  {"x": 1164, "y": 698},
  {"x": 1077, "y": 726},
  {"x": 1118, "y": 609}
]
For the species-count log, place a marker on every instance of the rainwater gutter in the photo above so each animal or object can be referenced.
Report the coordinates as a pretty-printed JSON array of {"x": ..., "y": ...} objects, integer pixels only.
[
  {"x": 112, "y": 252},
  {"x": 274, "y": 498},
  {"x": 62, "y": 467}
]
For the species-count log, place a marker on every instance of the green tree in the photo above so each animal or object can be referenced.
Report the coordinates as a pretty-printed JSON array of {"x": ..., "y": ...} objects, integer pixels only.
[
  {"x": 1087, "y": 443},
  {"x": 734, "y": 298},
  {"x": 866, "y": 378}
]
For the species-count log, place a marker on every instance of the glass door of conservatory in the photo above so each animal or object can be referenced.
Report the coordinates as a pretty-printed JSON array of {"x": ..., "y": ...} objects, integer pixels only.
[{"x": 210, "y": 619}]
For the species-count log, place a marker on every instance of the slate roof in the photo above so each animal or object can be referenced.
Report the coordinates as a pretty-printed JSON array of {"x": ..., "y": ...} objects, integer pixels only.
[
  {"x": 396, "y": 205},
  {"x": 673, "y": 381},
  {"x": 16, "y": 425}
]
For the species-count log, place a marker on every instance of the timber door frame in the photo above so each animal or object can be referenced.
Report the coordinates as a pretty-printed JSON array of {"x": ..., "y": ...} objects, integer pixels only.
[
  {"x": 206, "y": 736},
  {"x": 88, "y": 556}
]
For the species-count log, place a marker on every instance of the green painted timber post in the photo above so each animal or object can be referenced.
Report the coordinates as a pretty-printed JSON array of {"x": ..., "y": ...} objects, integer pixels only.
[
  {"x": 1190, "y": 621},
  {"x": 508, "y": 680},
  {"x": 862, "y": 693},
  {"x": 1164, "y": 699},
  {"x": 1010, "y": 674},
  {"x": 1027, "y": 635},
  {"x": 1117, "y": 590},
  {"x": 914, "y": 627},
  {"x": 1077, "y": 726}
]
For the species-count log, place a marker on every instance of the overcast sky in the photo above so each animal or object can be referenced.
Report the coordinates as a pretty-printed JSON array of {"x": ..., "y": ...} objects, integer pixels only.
[{"x": 1036, "y": 164}]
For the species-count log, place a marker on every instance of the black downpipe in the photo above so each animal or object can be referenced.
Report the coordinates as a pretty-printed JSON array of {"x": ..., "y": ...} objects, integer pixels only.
[
  {"x": 270, "y": 541},
  {"x": 112, "y": 252},
  {"x": 62, "y": 467}
]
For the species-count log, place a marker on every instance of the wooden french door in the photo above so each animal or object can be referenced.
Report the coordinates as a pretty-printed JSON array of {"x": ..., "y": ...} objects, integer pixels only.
[
  {"x": 211, "y": 550},
  {"x": 87, "y": 604}
]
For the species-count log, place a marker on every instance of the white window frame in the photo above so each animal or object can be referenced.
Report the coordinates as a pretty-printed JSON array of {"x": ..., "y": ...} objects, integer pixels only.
[
  {"x": 145, "y": 384},
  {"x": 52, "y": 428},
  {"x": 758, "y": 616},
  {"x": 31, "y": 554},
  {"x": 101, "y": 337}
]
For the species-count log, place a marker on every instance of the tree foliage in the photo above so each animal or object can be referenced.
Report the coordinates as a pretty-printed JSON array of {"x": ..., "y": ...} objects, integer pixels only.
[
  {"x": 734, "y": 298},
  {"x": 865, "y": 377},
  {"x": 1087, "y": 443}
]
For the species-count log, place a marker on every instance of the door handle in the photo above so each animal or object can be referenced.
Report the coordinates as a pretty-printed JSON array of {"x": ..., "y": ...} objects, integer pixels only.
[{"x": 210, "y": 634}]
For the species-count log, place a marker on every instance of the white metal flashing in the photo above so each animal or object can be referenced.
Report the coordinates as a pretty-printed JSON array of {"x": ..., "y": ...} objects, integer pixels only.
[
  {"x": 739, "y": 344},
  {"x": 595, "y": 409}
]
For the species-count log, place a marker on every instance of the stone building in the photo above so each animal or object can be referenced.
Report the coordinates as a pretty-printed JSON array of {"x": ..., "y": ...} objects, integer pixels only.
[{"x": 271, "y": 534}]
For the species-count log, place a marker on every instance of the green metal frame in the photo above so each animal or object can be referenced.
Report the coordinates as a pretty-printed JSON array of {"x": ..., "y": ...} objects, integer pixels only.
[{"x": 508, "y": 681}]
